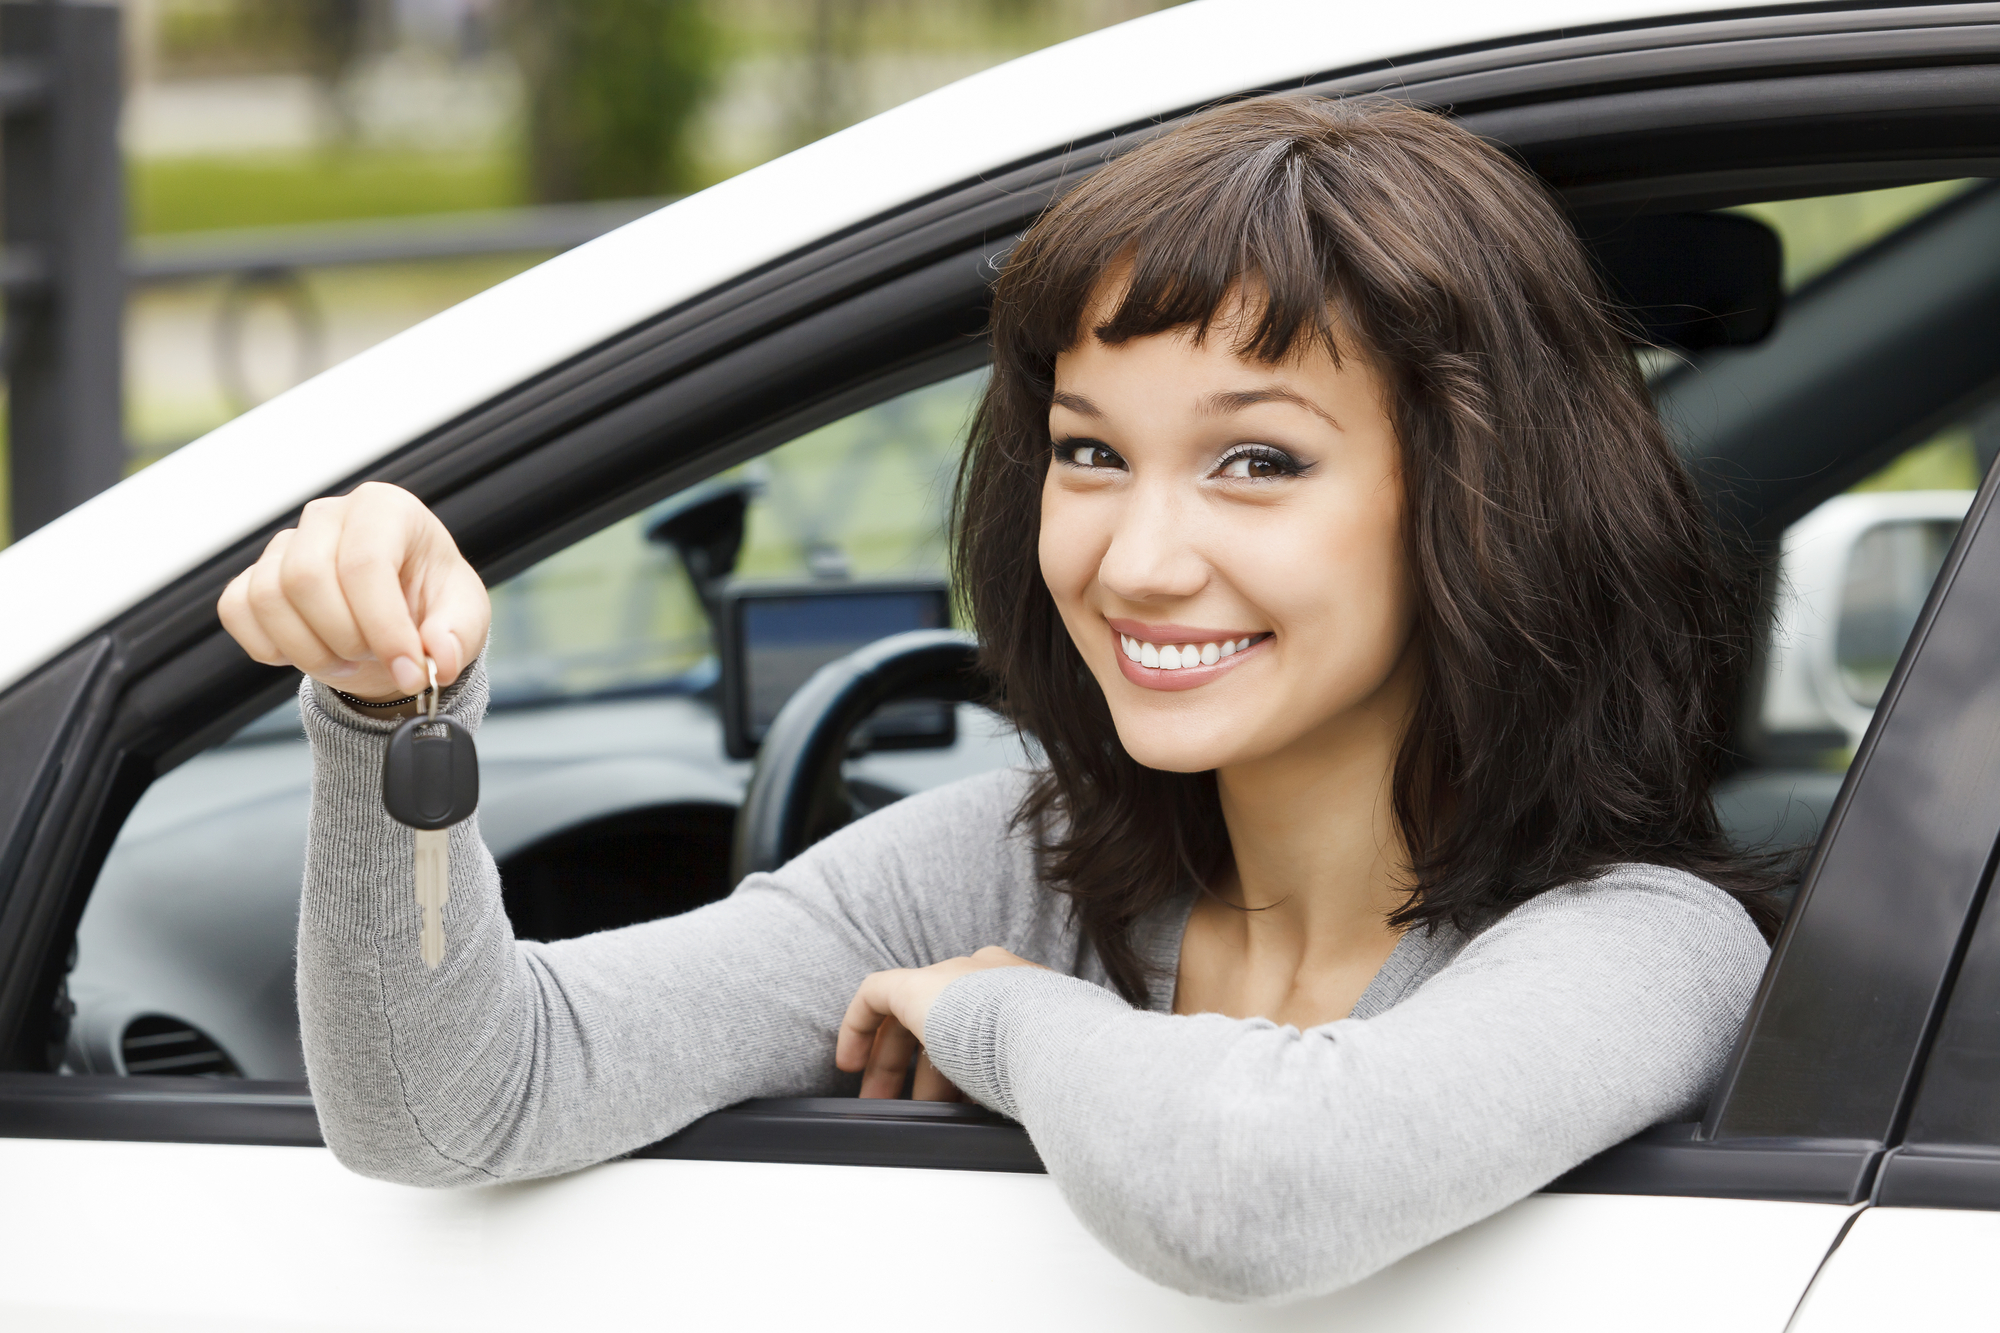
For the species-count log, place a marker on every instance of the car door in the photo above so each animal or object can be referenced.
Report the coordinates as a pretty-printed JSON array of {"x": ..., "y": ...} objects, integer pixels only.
[{"x": 206, "y": 1202}]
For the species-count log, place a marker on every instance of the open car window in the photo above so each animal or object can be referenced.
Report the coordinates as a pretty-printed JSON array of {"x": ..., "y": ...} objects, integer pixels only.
[
  {"x": 610, "y": 790},
  {"x": 1853, "y": 574},
  {"x": 1852, "y": 578},
  {"x": 607, "y": 797}
]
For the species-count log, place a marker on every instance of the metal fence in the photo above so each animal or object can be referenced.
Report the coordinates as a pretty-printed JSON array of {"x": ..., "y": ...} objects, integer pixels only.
[
  {"x": 266, "y": 266},
  {"x": 65, "y": 270}
]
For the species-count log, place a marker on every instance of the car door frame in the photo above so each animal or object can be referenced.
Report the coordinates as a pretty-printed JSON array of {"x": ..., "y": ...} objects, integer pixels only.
[{"x": 899, "y": 302}]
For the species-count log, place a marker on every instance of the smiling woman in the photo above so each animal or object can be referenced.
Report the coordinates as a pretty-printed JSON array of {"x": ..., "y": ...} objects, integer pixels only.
[
  {"x": 1316, "y": 525},
  {"x": 1336, "y": 379}
]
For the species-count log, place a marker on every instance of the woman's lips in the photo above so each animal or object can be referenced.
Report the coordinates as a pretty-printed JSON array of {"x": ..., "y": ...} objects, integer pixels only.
[{"x": 1181, "y": 678}]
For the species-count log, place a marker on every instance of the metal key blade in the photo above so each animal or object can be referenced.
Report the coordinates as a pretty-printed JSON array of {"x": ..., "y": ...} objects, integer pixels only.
[{"x": 433, "y": 888}]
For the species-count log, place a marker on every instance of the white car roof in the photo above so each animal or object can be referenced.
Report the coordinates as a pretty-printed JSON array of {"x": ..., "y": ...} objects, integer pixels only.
[{"x": 71, "y": 577}]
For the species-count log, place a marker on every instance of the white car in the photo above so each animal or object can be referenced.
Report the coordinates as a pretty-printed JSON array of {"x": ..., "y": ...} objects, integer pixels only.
[{"x": 813, "y": 321}]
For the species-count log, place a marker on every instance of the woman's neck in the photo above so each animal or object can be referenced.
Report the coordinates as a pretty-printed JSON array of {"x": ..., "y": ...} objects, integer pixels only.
[{"x": 1319, "y": 863}]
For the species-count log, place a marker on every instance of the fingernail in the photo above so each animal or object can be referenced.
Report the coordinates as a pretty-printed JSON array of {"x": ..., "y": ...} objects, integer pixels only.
[{"x": 409, "y": 676}]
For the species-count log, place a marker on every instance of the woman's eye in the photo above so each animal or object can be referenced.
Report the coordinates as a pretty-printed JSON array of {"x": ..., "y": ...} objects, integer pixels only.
[
  {"x": 1257, "y": 464},
  {"x": 1087, "y": 454}
]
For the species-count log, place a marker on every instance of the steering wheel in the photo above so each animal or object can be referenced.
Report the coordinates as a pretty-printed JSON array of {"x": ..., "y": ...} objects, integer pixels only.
[{"x": 797, "y": 794}]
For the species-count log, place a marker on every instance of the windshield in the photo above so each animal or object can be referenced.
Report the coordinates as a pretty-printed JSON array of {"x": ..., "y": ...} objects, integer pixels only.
[{"x": 617, "y": 613}]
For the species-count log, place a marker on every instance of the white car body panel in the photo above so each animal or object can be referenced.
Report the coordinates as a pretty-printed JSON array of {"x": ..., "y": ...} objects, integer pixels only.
[
  {"x": 1915, "y": 1268},
  {"x": 66, "y": 579},
  {"x": 282, "y": 1239}
]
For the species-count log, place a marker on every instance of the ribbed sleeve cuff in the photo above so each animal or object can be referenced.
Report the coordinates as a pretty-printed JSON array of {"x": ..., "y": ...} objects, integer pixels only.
[
  {"x": 359, "y": 860},
  {"x": 982, "y": 1026},
  {"x": 464, "y": 699}
]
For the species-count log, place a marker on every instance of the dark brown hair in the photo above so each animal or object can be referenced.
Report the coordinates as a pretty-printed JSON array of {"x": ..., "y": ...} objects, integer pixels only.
[{"x": 1582, "y": 629}]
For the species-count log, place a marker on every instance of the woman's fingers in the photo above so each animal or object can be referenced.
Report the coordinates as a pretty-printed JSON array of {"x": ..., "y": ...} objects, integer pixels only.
[
  {"x": 308, "y": 574},
  {"x": 241, "y": 622},
  {"x": 878, "y": 1045},
  {"x": 281, "y": 622},
  {"x": 889, "y": 1062},
  {"x": 866, "y": 1012},
  {"x": 455, "y": 618},
  {"x": 359, "y": 593},
  {"x": 872, "y": 1042},
  {"x": 382, "y": 533},
  {"x": 931, "y": 1086}
]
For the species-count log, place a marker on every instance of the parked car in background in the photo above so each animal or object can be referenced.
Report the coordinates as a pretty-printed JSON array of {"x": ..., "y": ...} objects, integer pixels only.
[{"x": 781, "y": 333}]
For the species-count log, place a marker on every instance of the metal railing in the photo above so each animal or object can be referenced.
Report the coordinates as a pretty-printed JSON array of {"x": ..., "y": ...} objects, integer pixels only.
[
  {"x": 65, "y": 270},
  {"x": 269, "y": 264},
  {"x": 156, "y": 260}
]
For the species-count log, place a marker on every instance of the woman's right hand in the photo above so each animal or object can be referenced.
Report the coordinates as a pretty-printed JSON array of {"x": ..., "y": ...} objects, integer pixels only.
[{"x": 358, "y": 594}]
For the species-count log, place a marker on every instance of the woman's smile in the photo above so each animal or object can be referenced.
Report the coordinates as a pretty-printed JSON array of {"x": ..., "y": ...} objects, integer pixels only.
[{"x": 1178, "y": 657}]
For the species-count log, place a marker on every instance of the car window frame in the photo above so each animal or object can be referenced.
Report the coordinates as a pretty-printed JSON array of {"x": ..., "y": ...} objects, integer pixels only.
[{"x": 869, "y": 313}]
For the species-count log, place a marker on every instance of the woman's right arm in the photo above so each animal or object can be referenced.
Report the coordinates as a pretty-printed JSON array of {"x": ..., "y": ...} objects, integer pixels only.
[{"x": 515, "y": 1058}]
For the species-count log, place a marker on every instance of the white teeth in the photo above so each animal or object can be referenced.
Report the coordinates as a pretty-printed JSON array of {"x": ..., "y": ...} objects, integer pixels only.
[{"x": 1177, "y": 657}]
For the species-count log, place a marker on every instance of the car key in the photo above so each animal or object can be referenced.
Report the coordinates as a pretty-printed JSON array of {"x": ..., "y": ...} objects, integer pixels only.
[{"x": 430, "y": 781}]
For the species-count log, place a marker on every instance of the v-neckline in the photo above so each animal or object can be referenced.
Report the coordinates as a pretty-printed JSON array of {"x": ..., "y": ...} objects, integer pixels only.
[{"x": 1417, "y": 957}]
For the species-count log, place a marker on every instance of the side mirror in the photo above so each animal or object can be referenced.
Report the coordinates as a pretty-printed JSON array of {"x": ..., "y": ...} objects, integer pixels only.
[
  {"x": 1856, "y": 574},
  {"x": 1890, "y": 570}
]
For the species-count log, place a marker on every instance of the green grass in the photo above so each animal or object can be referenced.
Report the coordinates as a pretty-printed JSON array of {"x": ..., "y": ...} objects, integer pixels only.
[{"x": 202, "y": 193}]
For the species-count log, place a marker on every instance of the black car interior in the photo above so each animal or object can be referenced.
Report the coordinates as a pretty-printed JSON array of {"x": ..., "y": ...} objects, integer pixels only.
[{"x": 1782, "y": 402}]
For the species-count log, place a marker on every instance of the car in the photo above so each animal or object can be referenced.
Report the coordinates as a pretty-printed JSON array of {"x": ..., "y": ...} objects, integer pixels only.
[{"x": 1847, "y": 1169}]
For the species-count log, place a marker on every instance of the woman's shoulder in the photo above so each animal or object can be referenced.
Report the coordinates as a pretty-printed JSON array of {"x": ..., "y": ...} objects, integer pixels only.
[
  {"x": 1673, "y": 919},
  {"x": 1642, "y": 889}
]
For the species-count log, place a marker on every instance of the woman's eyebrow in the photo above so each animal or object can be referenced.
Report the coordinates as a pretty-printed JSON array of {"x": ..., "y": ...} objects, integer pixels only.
[
  {"x": 1235, "y": 400},
  {"x": 1076, "y": 402}
]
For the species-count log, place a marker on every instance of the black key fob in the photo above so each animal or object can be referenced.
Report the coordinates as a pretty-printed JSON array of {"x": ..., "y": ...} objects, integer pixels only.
[{"x": 430, "y": 774}]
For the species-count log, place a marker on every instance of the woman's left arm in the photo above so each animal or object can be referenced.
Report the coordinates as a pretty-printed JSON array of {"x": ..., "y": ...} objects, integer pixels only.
[{"x": 1240, "y": 1160}]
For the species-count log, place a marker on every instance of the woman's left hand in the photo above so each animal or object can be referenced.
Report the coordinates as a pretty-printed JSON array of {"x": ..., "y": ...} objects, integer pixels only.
[{"x": 884, "y": 1024}]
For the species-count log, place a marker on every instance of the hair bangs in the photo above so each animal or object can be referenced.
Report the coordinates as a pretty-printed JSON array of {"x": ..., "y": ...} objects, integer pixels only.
[{"x": 1234, "y": 248}]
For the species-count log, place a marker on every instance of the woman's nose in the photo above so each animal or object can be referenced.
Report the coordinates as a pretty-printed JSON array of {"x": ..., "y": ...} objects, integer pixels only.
[{"x": 1153, "y": 555}]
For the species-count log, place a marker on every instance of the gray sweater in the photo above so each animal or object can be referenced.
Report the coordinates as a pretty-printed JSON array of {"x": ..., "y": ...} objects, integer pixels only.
[{"x": 1228, "y": 1157}]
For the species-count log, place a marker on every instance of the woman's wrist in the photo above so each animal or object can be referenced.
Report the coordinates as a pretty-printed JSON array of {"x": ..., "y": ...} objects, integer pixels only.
[{"x": 395, "y": 708}]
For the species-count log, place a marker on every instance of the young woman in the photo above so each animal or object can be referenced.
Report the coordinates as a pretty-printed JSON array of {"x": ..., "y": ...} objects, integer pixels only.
[{"x": 1317, "y": 525}]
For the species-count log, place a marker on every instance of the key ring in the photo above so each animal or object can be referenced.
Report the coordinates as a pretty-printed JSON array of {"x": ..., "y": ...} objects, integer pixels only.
[{"x": 430, "y": 665}]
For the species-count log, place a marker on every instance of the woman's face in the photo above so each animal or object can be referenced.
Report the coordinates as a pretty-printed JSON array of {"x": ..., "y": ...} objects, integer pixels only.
[{"x": 1224, "y": 542}]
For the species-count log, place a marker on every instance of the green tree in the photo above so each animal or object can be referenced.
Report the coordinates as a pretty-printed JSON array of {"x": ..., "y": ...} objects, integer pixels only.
[{"x": 613, "y": 90}]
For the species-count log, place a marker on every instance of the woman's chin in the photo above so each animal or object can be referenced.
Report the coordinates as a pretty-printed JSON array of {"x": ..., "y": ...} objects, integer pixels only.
[{"x": 1177, "y": 753}]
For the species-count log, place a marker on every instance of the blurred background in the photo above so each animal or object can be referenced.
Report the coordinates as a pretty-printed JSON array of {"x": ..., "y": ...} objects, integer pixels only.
[
  {"x": 304, "y": 178},
  {"x": 291, "y": 181}
]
